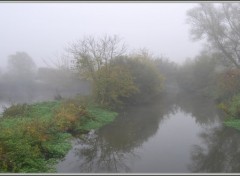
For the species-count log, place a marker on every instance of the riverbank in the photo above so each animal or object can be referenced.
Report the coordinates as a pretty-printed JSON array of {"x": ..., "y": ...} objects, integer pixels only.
[
  {"x": 231, "y": 108},
  {"x": 34, "y": 137},
  {"x": 233, "y": 123}
]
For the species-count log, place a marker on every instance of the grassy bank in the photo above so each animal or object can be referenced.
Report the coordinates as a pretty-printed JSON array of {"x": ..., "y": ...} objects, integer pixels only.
[
  {"x": 231, "y": 107},
  {"x": 233, "y": 123},
  {"x": 33, "y": 137}
]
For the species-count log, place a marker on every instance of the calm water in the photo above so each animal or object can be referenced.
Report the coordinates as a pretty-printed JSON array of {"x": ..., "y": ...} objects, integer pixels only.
[{"x": 176, "y": 135}]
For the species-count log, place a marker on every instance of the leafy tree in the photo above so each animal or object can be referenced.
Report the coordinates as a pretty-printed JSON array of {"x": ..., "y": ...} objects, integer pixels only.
[
  {"x": 166, "y": 67},
  {"x": 168, "y": 70},
  {"x": 199, "y": 75},
  {"x": 146, "y": 76},
  {"x": 19, "y": 78},
  {"x": 116, "y": 78},
  {"x": 21, "y": 64},
  {"x": 113, "y": 86},
  {"x": 185, "y": 77},
  {"x": 92, "y": 58},
  {"x": 220, "y": 24}
]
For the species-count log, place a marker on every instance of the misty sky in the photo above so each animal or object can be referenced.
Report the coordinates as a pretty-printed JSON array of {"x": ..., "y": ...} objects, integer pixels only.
[{"x": 43, "y": 30}]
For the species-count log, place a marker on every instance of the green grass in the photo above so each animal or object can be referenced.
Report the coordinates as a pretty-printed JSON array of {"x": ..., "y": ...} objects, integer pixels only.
[
  {"x": 232, "y": 110},
  {"x": 34, "y": 137},
  {"x": 102, "y": 117},
  {"x": 233, "y": 123}
]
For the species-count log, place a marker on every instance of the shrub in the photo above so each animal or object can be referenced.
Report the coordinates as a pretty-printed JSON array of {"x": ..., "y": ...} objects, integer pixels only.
[
  {"x": 20, "y": 147},
  {"x": 34, "y": 142},
  {"x": 146, "y": 77},
  {"x": 233, "y": 123},
  {"x": 228, "y": 84},
  {"x": 232, "y": 108},
  {"x": 113, "y": 85},
  {"x": 16, "y": 110},
  {"x": 70, "y": 115},
  {"x": 29, "y": 143}
]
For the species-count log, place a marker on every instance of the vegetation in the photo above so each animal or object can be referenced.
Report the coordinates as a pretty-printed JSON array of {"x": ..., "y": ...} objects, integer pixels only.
[
  {"x": 23, "y": 80},
  {"x": 200, "y": 76},
  {"x": 117, "y": 78},
  {"x": 233, "y": 123},
  {"x": 228, "y": 84},
  {"x": 220, "y": 25},
  {"x": 113, "y": 85},
  {"x": 232, "y": 110},
  {"x": 33, "y": 137},
  {"x": 146, "y": 77},
  {"x": 21, "y": 64}
]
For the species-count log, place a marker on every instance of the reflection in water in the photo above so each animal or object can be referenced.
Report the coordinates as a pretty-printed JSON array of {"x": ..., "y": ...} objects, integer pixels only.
[
  {"x": 220, "y": 152},
  {"x": 147, "y": 138},
  {"x": 99, "y": 156},
  {"x": 179, "y": 133},
  {"x": 201, "y": 108},
  {"x": 111, "y": 149},
  {"x": 135, "y": 125}
]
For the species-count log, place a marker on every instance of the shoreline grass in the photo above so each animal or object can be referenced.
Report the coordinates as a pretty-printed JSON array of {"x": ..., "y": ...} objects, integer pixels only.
[
  {"x": 34, "y": 137},
  {"x": 233, "y": 123}
]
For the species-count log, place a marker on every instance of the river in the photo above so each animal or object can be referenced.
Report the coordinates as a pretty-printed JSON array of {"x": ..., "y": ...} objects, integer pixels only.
[{"x": 179, "y": 134}]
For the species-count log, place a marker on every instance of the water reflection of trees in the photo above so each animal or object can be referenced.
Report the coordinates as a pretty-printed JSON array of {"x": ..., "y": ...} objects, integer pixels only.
[
  {"x": 136, "y": 125},
  {"x": 113, "y": 146},
  {"x": 220, "y": 152},
  {"x": 201, "y": 108},
  {"x": 99, "y": 156}
]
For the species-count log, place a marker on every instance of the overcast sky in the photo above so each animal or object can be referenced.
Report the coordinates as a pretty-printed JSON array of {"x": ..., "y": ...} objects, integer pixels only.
[{"x": 43, "y": 29}]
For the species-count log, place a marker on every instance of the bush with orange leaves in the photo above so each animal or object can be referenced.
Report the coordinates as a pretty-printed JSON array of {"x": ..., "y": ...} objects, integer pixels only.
[{"x": 70, "y": 115}]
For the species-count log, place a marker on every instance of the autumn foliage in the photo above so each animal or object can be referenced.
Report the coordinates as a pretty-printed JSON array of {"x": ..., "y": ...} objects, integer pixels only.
[
  {"x": 229, "y": 83},
  {"x": 33, "y": 136}
]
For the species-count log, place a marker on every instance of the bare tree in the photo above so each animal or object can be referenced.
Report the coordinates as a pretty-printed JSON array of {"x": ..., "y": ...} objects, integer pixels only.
[
  {"x": 61, "y": 62},
  {"x": 90, "y": 53},
  {"x": 220, "y": 24}
]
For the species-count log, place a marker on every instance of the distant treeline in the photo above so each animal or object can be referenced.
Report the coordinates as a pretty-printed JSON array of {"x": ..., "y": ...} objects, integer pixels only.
[
  {"x": 206, "y": 74},
  {"x": 23, "y": 81}
]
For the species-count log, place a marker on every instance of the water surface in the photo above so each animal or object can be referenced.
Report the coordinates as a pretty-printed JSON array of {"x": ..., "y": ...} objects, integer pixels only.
[
  {"x": 177, "y": 134},
  {"x": 174, "y": 135}
]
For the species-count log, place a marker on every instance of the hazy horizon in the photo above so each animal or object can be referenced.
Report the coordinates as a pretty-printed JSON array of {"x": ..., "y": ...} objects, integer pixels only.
[{"x": 44, "y": 29}]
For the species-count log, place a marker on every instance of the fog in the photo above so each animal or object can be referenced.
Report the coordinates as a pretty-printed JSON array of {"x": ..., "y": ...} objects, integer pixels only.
[
  {"x": 44, "y": 30},
  {"x": 128, "y": 81}
]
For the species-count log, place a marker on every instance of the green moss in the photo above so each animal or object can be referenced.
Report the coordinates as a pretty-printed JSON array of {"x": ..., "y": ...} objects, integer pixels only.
[{"x": 32, "y": 139}]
